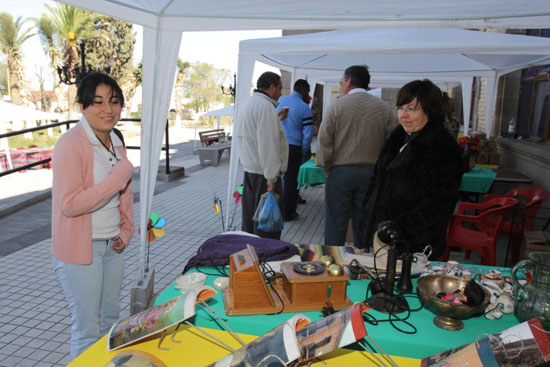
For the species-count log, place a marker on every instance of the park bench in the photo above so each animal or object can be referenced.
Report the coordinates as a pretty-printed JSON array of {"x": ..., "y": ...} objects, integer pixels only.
[{"x": 213, "y": 144}]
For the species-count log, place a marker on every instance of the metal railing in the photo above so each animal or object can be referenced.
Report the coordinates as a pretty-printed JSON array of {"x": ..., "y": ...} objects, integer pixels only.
[{"x": 166, "y": 148}]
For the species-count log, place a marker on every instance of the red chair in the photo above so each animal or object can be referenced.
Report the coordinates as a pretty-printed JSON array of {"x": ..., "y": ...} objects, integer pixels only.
[
  {"x": 530, "y": 200},
  {"x": 483, "y": 229}
]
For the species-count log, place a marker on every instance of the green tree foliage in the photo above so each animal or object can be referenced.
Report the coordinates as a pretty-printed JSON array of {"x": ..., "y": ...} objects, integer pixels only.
[
  {"x": 130, "y": 86},
  {"x": 113, "y": 46},
  {"x": 12, "y": 36},
  {"x": 109, "y": 42},
  {"x": 3, "y": 80},
  {"x": 71, "y": 26},
  {"x": 49, "y": 39},
  {"x": 202, "y": 86},
  {"x": 182, "y": 69}
]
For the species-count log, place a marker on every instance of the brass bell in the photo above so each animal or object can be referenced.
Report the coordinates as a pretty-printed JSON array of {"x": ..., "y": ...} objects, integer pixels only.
[
  {"x": 327, "y": 260},
  {"x": 335, "y": 270}
]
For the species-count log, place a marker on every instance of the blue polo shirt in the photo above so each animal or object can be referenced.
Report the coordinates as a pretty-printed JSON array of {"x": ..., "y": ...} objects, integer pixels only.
[{"x": 298, "y": 126}]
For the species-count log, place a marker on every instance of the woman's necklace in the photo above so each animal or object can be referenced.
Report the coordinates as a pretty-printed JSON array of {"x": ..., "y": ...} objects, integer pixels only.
[{"x": 112, "y": 150}]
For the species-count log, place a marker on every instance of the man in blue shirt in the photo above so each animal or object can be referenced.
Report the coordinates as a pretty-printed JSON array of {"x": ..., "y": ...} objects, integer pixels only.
[{"x": 298, "y": 127}]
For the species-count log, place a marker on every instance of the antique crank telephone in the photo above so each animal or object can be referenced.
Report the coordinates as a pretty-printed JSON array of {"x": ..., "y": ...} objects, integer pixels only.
[{"x": 383, "y": 298}]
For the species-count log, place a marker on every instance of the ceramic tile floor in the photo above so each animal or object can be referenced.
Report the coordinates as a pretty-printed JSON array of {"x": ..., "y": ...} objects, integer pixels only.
[{"x": 34, "y": 319}]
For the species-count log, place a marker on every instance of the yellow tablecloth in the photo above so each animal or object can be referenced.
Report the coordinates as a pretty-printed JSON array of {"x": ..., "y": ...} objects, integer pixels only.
[{"x": 197, "y": 350}]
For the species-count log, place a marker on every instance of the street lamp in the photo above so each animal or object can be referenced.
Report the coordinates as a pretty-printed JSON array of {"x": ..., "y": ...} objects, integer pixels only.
[
  {"x": 232, "y": 88},
  {"x": 74, "y": 75}
]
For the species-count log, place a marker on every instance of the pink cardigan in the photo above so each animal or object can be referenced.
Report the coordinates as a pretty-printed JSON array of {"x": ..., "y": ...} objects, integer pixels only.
[{"x": 75, "y": 197}]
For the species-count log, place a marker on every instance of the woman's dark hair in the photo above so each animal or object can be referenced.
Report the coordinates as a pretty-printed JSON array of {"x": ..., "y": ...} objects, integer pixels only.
[
  {"x": 427, "y": 94},
  {"x": 86, "y": 89}
]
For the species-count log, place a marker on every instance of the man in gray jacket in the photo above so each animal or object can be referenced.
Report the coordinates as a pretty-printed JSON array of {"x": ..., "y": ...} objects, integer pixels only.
[
  {"x": 350, "y": 138},
  {"x": 263, "y": 148}
]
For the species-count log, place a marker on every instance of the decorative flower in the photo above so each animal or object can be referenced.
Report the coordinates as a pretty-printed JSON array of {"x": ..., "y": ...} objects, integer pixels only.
[
  {"x": 217, "y": 204},
  {"x": 238, "y": 194},
  {"x": 154, "y": 227},
  {"x": 474, "y": 144}
]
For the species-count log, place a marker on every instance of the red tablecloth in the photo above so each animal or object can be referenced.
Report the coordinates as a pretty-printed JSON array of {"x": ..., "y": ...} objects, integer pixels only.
[{"x": 23, "y": 156}]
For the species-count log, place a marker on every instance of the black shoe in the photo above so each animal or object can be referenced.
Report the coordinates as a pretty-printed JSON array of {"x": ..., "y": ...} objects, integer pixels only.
[
  {"x": 300, "y": 200},
  {"x": 291, "y": 217}
]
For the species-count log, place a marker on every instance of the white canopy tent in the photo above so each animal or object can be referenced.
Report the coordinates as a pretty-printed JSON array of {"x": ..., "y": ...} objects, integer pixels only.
[
  {"x": 225, "y": 111},
  {"x": 394, "y": 56},
  {"x": 165, "y": 20},
  {"x": 13, "y": 112},
  {"x": 397, "y": 55}
]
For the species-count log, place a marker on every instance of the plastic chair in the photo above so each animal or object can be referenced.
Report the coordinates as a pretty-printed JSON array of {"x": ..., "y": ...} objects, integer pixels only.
[
  {"x": 483, "y": 229},
  {"x": 530, "y": 200}
]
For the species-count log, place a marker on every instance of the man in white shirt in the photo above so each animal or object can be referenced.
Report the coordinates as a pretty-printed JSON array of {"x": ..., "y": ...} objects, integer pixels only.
[{"x": 263, "y": 148}]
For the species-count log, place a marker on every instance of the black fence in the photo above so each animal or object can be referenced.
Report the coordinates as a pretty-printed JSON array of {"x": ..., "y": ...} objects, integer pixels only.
[{"x": 68, "y": 123}]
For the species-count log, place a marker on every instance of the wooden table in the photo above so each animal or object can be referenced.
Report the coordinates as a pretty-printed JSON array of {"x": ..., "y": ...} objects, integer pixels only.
[{"x": 508, "y": 179}]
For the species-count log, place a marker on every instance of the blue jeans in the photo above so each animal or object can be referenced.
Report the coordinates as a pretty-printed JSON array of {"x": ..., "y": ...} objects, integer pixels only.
[
  {"x": 345, "y": 194},
  {"x": 92, "y": 292}
]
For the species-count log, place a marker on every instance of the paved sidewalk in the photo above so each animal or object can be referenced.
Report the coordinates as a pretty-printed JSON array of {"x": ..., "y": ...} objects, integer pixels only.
[{"x": 34, "y": 319}]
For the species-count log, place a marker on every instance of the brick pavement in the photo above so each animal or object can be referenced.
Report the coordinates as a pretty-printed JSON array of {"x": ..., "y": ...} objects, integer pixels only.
[{"x": 34, "y": 319}]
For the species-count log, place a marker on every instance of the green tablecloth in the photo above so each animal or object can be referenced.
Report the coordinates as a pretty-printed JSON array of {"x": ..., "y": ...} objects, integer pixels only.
[
  {"x": 427, "y": 341},
  {"x": 310, "y": 174},
  {"x": 478, "y": 180}
]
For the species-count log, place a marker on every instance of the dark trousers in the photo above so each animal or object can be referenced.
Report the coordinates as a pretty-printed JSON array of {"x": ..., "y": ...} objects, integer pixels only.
[
  {"x": 345, "y": 192},
  {"x": 290, "y": 179},
  {"x": 254, "y": 186}
]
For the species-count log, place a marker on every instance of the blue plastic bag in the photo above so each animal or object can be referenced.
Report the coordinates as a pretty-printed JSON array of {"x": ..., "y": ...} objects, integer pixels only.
[{"x": 270, "y": 219}]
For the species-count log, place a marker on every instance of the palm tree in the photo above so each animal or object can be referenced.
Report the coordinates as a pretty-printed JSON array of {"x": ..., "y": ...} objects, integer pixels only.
[
  {"x": 180, "y": 79},
  {"x": 131, "y": 85},
  {"x": 71, "y": 26},
  {"x": 12, "y": 37},
  {"x": 49, "y": 40}
]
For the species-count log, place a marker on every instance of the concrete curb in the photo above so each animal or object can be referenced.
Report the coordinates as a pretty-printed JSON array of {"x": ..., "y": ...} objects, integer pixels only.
[{"x": 24, "y": 203}]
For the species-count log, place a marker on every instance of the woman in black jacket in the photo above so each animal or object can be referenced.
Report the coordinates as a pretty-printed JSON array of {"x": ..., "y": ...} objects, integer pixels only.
[{"x": 418, "y": 172}]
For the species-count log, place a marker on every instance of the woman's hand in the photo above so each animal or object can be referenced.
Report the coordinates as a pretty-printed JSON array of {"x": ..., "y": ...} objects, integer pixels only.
[
  {"x": 118, "y": 245},
  {"x": 123, "y": 170}
]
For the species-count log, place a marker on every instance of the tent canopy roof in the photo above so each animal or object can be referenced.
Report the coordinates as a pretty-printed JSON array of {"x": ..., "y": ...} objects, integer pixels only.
[
  {"x": 192, "y": 15},
  {"x": 13, "y": 112},
  {"x": 428, "y": 52},
  {"x": 225, "y": 111}
]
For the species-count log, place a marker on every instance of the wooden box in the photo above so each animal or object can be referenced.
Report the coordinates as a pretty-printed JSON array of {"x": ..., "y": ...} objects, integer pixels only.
[{"x": 312, "y": 290}]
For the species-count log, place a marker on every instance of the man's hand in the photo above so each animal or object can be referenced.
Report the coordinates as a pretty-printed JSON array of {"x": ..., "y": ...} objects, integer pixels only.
[
  {"x": 283, "y": 113},
  {"x": 271, "y": 186},
  {"x": 118, "y": 245}
]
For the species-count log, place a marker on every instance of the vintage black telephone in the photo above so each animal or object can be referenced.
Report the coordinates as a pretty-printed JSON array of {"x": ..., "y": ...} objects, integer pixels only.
[{"x": 383, "y": 297}]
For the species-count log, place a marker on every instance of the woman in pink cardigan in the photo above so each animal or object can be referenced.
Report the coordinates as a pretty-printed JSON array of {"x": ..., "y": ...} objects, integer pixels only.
[{"x": 92, "y": 211}]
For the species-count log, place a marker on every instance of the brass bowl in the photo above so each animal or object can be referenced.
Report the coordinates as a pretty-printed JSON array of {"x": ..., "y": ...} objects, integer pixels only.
[
  {"x": 336, "y": 270},
  {"x": 449, "y": 313},
  {"x": 327, "y": 260}
]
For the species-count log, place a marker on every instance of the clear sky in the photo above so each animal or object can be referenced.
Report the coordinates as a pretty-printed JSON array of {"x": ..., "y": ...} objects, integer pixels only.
[{"x": 217, "y": 48}]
